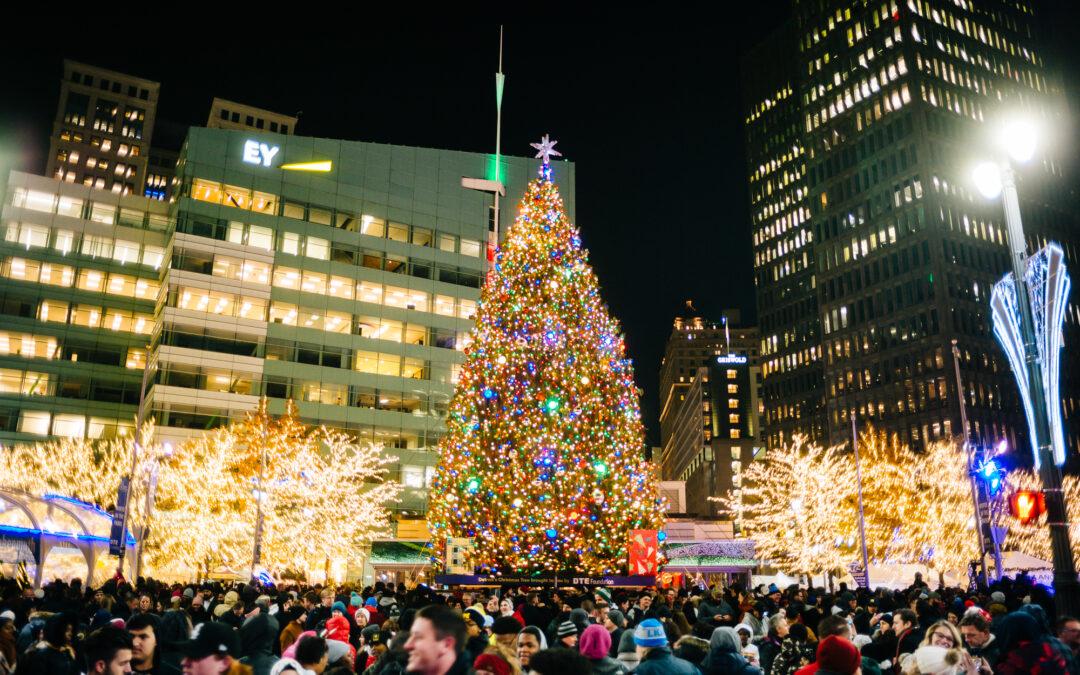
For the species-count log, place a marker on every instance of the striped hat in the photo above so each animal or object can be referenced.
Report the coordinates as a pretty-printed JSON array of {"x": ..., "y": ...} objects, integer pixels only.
[{"x": 566, "y": 629}]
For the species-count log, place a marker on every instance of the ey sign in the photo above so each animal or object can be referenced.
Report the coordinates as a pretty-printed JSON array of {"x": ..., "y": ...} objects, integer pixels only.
[{"x": 259, "y": 153}]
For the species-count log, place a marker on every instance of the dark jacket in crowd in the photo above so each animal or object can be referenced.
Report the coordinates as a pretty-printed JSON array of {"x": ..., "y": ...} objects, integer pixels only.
[
  {"x": 257, "y": 637},
  {"x": 660, "y": 661}
]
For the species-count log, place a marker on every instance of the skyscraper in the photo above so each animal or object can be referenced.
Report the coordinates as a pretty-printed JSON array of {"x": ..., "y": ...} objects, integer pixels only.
[
  {"x": 102, "y": 130},
  {"x": 897, "y": 250}
]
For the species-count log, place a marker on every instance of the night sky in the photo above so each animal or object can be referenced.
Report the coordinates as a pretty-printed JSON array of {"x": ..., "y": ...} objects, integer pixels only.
[{"x": 648, "y": 109}]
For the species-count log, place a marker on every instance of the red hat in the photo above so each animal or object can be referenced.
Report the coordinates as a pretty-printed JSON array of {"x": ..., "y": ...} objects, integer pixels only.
[
  {"x": 838, "y": 655},
  {"x": 493, "y": 663},
  {"x": 969, "y": 603}
]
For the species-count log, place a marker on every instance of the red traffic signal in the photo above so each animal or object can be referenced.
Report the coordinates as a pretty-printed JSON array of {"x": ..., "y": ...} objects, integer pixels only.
[{"x": 1027, "y": 505}]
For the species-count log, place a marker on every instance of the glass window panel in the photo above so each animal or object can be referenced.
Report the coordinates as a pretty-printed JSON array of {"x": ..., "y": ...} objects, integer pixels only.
[
  {"x": 86, "y": 315},
  {"x": 34, "y": 422},
  {"x": 64, "y": 241},
  {"x": 447, "y": 242},
  {"x": 125, "y": 251},
  {"x": 367, "y": 362},
  {"x": 286, "y": 277},
  {"x": 283, "y": 313},
  {"x": 338, "y": 322},
  {"x": 116, "y": 319},
  {"x": 290, "y": 243},
  {"x": 131, "y": 217},
  {"x": 255, "y": 272},
  {"x": 35, "y": 200},
  {"x": 53, "y": 310},
  {"x": 142, "y": 324},
  {"x": 340, "y": 287},
  {"x": 91, "y": 280},
  {"x": 146, "y": 289},
  {"x": 412, "y": 368},
  {"x": 318, "y": 248},
  {"x": 389, "y": 364},
  {"x": 293, "y": 210},
  {"x": 237, "y": 197},
  {"x": 466, "y": 308},
  {"x": 320, "y": 216},
  {"x": 415, "y": 334},
  {"x": 310, "y": 318},
  {"x": 236, "y": 233},
  {"x": 261, "y": 237},
  {"x": 470, "y": 247},
  {"x": 421, "y": 236},
  {"x": 398, "y": 232},
  {"x": 69, "y": 426},
  {"x": 57, "y": 275},
  {"x": 264, "y": 202},
  {"x": 97, "y": 247},
  {"x": 444, "y": 304},
  {"x": 369, "y": 292},
  {"x": 101, "y": 212},
  {"x": 252, "y": 308},
  {"x": 370, "y": 225},
  {"x": 136, "y": 359},
  {"x": 71, "y": 206},
  {"x": 152, "y": 256},
  {"x": 313, "y": 282},
  {"x": 121, "y": 284}
]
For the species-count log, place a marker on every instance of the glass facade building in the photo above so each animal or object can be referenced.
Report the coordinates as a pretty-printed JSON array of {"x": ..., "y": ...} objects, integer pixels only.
[
  {"x": 873, "y": 250},
  {"x": 343, "y": 275}
]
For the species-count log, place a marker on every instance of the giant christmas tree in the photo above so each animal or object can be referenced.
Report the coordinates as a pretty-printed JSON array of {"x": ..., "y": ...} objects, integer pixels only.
[{"x": 542, "y": 463}]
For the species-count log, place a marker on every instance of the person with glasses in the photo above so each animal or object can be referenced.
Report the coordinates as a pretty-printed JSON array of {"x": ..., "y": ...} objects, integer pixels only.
[{"x": 1069, "y": 633}]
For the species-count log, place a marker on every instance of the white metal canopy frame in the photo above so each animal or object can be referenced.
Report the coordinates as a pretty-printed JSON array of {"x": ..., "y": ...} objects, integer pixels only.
[{"x": 33, "y": 527}]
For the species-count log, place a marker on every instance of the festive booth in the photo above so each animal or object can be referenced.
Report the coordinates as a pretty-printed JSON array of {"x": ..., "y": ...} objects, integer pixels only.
[{"x": 52, "y": 536}]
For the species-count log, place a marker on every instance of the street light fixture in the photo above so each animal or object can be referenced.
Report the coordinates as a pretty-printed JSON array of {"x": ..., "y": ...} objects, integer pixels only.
[{"x": 1027, "y": 308}]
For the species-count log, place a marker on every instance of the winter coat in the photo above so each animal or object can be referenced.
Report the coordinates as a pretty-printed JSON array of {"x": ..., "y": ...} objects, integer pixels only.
[
  {"x": 768, "y": 648},
  {"x": 724, "y": 655},
  {"x": 48, "y": 660},
  {"x": 289, "y": 635},
  {"x": 660, "y": 661},
  {"x": 257, "y": 643},
  {"x": 709, "y": 609},
  {"x": 794, "y": 654},
  {"x": 607, "y": 666}
]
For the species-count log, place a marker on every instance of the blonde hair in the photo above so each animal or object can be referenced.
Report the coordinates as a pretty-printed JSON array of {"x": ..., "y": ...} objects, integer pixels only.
[{"x": 947, "y": 625}]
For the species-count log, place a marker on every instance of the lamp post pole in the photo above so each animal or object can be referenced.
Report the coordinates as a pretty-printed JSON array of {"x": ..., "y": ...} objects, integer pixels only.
[
  {"x": 1066, "y": 586},
  {"x": 862, "y": 519}
]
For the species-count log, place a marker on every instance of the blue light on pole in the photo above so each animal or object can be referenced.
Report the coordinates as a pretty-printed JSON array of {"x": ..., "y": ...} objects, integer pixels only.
[
  {"x": 1048, "y": 283},
  {"x": 990, "y": 474}
]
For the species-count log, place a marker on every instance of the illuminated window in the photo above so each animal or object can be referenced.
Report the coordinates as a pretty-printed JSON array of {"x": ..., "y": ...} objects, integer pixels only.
[
  {"x": 125, "y": 251},
  {"x": 733, "y": 418},
  {"x": 732, "y": 374},
  {"x": 252, "y": 308},
  {"x": 447, "y": 242},
  {"x": 70, "y": 206},
  {"x": 444, "y": 304},
  {"x": 317, "y": 248},
  {"x": 377, "y": 363},
  {"x": 86, "y": 315},
  {"x": 283, "y": 313},
  {"x": 64, "y": 241},
  {"x": 337, "y": 322},
  {"x": 91, "y": 280},
  {"x": 25, "y": 234},
  {"x": 466, "y": 309},
  {"x": 290, "y": 243},
  {"x": 286, "y": 277},
  {"x": 34, "y": 422},
  {"x": 237, "y": 197},
  {"x": 263, "y": 202},
  {"x": 260, "y": 237},
  {"x": 733, "y": 389},
  {"x": 101, "y": 212},
  {"x": 412, "y": 368},
  {"x": 734, "y": 433},
  {"x": 340, "y": 287},
  {"x": 69, "y": 426},
  {"x": 97, "y": 247},
  {"x": 470, "y": 247},
  {"x": 370, "y": 225},
  {"x": 369, "y": 292},
  {"x": 733, "y": 404},
  {"x": 313, "y": 282},
  {"x": 136, "y": 359},
  {"x": 53, "y": 310},
  {"x": 28, "y": 346}
]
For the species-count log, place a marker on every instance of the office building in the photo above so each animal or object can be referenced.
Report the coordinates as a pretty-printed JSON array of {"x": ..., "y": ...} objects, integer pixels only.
[
  {"x": 710, "y": 408},
  {"x": 341, "y": 274},
  {"x": 102, "y": 130},
  {"x": 240, "y": 117},
  {"x": 875, "y": 209}
]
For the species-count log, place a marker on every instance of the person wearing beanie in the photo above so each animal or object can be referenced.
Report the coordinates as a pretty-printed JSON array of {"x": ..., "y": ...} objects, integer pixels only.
[
  {"x": 566, "y": 635},
  {"x": 594, "y": 645},
  {"x": 337, "y": 626},
  {"x": 615, "y": 623},
  {"x": 837, "y": 656},
  {"x": 580, "y": 618},
  {"x": 475, "y": 640},
  {"x": 504, "y": 631},
  {"x": 692, "y": 648},
  {"x": 934, "y": 660},
  {"x": 656, "y": 656},
  {"x": 796, "y": 651},
  {"x": 491, "y": 664},
  {"x": 725, "y": 655},
  {"x": 627, "y": 651}
]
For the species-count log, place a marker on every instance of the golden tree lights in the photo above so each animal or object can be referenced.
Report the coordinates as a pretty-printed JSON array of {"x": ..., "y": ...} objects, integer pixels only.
[
  {"x": 1034, "y": 537},
  {"x": 324, "y": 496},
  {"x": 799, "y": 505},
  {"x": 542, "y": 463}
]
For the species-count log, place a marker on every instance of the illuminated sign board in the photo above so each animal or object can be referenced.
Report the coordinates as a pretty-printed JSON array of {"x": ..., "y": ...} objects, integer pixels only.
[
  {"x": 731, "y": 359},
  {"x": 262, "y": 154},
  {"x": 259, "y": 153}
]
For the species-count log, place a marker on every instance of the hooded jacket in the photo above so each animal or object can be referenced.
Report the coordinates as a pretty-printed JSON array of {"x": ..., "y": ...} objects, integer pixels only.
[
  {"x": 257, "y": 643},
  {"x": 724, "y": 655}
]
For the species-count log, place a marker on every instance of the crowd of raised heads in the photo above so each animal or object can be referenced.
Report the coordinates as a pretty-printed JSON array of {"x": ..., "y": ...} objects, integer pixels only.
[{"x": 66, "y": 628}]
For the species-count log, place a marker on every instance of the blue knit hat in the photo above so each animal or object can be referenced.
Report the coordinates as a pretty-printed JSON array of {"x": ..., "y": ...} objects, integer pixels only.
[
  {"x": 650, "y": 633},
  {"x": 338, "y": 606},
  {"x": 355, "y": 600}
]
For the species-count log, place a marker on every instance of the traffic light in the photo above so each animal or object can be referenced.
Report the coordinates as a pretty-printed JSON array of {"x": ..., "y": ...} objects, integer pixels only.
[
  {"x": 991, "y": 475},
  {"x": 1027, "y": 505}
]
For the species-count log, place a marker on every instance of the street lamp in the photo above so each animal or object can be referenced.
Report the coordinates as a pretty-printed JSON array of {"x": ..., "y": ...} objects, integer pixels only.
[{"x": 1028, "y": 308}]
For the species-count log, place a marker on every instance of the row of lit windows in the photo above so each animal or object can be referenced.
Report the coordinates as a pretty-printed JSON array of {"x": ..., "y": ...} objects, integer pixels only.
[
  {"x": 242, "y": 198},
  {"x": 76, "y": 207},
  {"x": 91, "y": 316},
  {"x": 122, "y": 251},
  {"x": 86, "y": 279},
  {"x": 969, "y": 27},
  {"x": 65, "y": 425},
  {"x": 769, "y": 102}
]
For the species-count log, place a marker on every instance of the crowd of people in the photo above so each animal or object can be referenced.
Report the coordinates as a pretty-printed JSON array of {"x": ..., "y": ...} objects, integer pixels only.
[{"x": 208, "y": 628}]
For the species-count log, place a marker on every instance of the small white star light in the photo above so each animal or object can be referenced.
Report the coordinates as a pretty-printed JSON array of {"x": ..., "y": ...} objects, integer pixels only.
[{"x": 546, "y": 149}]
